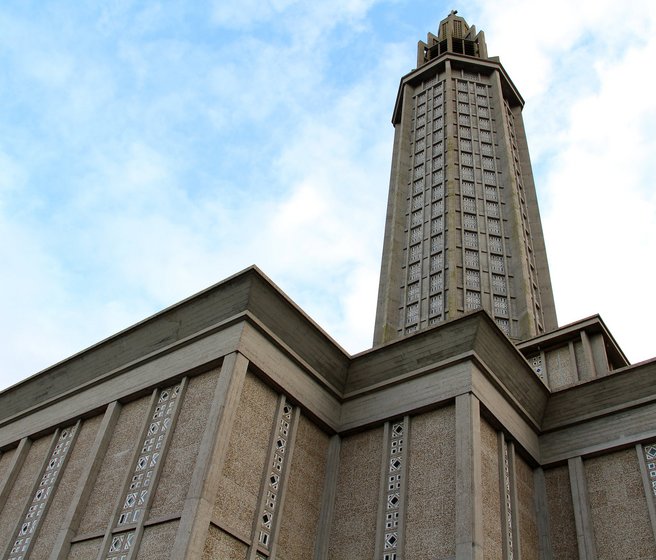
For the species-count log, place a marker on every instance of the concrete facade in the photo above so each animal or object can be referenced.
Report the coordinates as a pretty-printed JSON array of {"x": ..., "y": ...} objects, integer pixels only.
[{"x": 230, "y": 426}]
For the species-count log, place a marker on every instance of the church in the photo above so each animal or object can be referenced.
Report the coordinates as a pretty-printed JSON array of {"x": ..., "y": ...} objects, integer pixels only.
[{"x": 231, "y": 426}]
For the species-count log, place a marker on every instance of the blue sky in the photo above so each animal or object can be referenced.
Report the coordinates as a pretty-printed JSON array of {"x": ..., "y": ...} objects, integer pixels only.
[{"x": 149, "y": 150}]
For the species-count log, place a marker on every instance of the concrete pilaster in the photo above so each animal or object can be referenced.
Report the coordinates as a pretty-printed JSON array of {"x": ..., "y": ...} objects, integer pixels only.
[
  {"x": 542, "y": 514},
  {"x": 328, "y": 499},
  {"x": 199, "y": 503},
  {"x": 584, "y": 529},
  {"x": 469, "y": 519}
]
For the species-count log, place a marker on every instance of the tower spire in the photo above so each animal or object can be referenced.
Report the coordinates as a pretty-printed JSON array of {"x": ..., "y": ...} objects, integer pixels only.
[{"x": 463, "y": 228}]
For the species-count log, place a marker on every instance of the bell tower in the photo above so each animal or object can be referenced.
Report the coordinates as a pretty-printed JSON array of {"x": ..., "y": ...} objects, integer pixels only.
[{"x": 463, "y": 228}]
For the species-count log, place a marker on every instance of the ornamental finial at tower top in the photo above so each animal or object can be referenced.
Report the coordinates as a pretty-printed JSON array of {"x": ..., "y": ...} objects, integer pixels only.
[{"x": 454, "y": 36}]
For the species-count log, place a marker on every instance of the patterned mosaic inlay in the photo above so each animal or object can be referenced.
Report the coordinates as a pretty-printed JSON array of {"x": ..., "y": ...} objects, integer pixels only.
[
  {"x": 140, "y": 489},
  {"x": 508, "y": 499},
  {"x": 42, "y": 495},
  {"x": 393, "y": 494},
  {"x": 278, "y": 464},
  {"x": 650, "y": 459}
]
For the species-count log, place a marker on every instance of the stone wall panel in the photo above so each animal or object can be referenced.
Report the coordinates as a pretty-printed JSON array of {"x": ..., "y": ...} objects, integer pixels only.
[
  {"x": 353, "y": 531},
  {"x": 492, "y": 531},
  {"x": 526, "y": 516},
  {"x": 562, "y": 525},
  {"x": 239, "y": 488},
  {"x": 183, "y": 448},
  {"x": 300, "y": 516},
  {"x": 618, "y": 507},
  {"x": 224, "y": 546},
  {"x": 116, "y": 462}
]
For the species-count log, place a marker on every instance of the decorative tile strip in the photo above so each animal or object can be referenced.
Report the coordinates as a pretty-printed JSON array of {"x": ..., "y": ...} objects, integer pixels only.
[
  {"x": 650, "y": 460},
  {"x": 41, "y": 499},
  {"x": 139, "y": 491},
  {"x": 392, "y": 505},
  {"x": 508, "y": 499},
  {"x": 275, "y": 477}
]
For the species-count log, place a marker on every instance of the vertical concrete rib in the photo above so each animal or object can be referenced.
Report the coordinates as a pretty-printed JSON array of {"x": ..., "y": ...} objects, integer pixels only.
[
  {"x": 199, "y": 503},
  {"x": 469, "y": 520},
  {"x": 328, "y": 499},
  {"x": 542, "y": 512},
  {"x": 584, "y": 529}
]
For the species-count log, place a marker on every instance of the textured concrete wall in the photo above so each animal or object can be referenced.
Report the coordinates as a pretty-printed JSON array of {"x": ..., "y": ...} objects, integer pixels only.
[
  {"x": 353, "y": 531},
  {"x": 618, "y": 507},
  {"x": 300, "y": 515},
  {"x": 85, "y": 550},
  {"x": 559, "y": 368},
  {"x": 109, "y": 482},
  {"x": 222, "y": 545},
  {"x": 22, "y": 489},
  {"x": 68, "y": 481},
  {"x": 157, "y": 541},
  {"x": 183, "y": 446},
  {"x": 582, "y": 365},
  {"x": 430, "y": 510},
  {"x": 561, "y": 514},
  {"x": 527, "y": 517},
  {"x": 492, "y": 530},
  {"x": 239, "y": 489}
]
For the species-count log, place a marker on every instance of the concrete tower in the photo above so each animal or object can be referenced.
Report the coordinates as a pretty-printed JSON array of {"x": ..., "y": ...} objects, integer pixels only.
[{"x": 463, "y": 229}]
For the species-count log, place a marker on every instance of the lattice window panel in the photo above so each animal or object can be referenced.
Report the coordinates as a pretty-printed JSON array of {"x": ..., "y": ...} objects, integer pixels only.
[
  {"x": 41, "y": 499},
  {"x": 413, "y": 292},
  {"x": 504, "y": 325},
  {"x": 468, "y": 188},
  {"x": 496, "y": 246},
  {"x": 464, "y": 120},
  {"x": 465, "y": 145},
  {"x": 499, "y": 283},
  {"x": 437, "y": 148},
  {"x": 466, "y": 158},
  {"x": 139, "y": 493},
  {"x": 538, "y": 368},
  {"x": 419, "y": 158},
  {"x": 491, "y": 193},
  {"x": 421, "y": 120},
  {"x": 436, "y": 262},
  {"x": 437, "y": 163},
  {"x": 436, "y": 305},
  {"x": 418, "y": 186},
  {"x": 496, "y": 263},
  {"x": 473, "y": 279},
  {"x": 436, "y": 282},
  {"x": 484, "y": 124},
  {"x": 494, "y": 226},
  {"x": 469, "y": 204},
  {"x": 420, "y": 145},
  {"x": 473, "y": 300},
  {"x": 415, "y": 235},
  {"x": 486, "y": 149},
  {"x": 471, "y": 240},
  {"x": 650, "y": 460},
  {"x": 421, "y": 109},
  {"x": 414, "y": 272},
  {"x": 278, "y": 466},
  {"x": 419, "y": 172},
  {"x": 437, "y": 208},
  {"x": 471, "y": 259},
  {"x": 501, "y": 305},
  {"x": 412, "y": 313},
  {"x": 420, "y": 132},
  {"x": 394, "y": 492},
  {"x": 416, "y": 218},
  {"x": 470, "y": 221},
  {"x": 437, "y": 192}
]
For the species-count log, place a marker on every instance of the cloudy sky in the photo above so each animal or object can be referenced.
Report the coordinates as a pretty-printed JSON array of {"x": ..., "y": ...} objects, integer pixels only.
[{"x": 150, "y": 149}]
